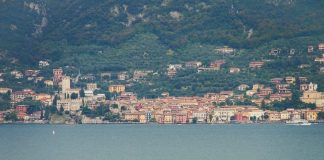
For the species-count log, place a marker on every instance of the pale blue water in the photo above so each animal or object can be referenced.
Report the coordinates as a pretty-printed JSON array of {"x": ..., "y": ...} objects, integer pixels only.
[{"x": 162, "y": 142}]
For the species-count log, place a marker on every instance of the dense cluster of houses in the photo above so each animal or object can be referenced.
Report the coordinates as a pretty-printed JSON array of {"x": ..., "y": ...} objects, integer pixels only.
[{"x": 169, "y": 109}]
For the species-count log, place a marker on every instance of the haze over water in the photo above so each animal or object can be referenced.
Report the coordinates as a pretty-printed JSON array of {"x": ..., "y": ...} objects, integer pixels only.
[{"x": 162, "y": 142}]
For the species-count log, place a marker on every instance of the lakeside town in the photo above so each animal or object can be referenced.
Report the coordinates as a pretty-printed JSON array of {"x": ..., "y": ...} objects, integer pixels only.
[{"x": 71, "y": 104}]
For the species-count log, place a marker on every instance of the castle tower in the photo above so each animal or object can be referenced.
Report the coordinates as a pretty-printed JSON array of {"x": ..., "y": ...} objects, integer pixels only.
[
  {"x": 66, "y": 83},
  {"x": 57, "y": 75}
]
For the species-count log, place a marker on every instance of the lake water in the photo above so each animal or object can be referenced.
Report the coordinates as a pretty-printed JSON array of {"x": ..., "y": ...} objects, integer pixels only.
[{"x": 162, "y": 142}]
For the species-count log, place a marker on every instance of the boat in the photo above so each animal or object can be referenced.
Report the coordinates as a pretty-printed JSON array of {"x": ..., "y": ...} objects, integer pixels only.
[{"x": 298, "y": 122}]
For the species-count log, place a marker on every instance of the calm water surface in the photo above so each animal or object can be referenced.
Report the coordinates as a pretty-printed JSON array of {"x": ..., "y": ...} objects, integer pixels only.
[{"x": 162, "y": 142}]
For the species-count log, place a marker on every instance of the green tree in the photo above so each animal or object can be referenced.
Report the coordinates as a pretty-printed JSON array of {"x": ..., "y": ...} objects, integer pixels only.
[
  {"x": 82, "y": 94},
  {"x": 53, "y": 109},
  {"x": 55, "y": 100},
  {"x": 12, "y": 116},
  {"x": 61, "y": 110},
  {"x": 153, "y": 120},
  {"x": 320, "y": 116},
  {"x": 74, "y": 96},
  {"x": 115, "y": 106},
  {"x": 112, "y": 117},
  {"x": 47, "y": 113},
  {"x": 194, "y": 120}
]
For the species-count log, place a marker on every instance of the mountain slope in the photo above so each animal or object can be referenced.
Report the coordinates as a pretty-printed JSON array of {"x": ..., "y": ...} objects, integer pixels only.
[{"x": 56, "y": 30}]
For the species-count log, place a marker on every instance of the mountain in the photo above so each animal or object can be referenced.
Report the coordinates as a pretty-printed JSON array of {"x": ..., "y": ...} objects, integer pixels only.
[
  {"x": 126, "y": 31},
  {"x": 127, "y": 35}
]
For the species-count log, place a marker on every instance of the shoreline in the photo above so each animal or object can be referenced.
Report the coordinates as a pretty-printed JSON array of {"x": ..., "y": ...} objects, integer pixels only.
[{"x": 130, "y": 123}]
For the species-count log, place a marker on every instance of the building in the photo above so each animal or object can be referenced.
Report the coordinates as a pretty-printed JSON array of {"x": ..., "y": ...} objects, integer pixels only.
[
  {"x": 116, "y": 88},
  {"x": 136, "y": 117},
  {"x": 44, "y": 98},
  {"x": 225, "y": 50},
  {"x": 320, "y": 60},
  {"x": 122, "y": 76},
  {"x": 311, "y": 116},
  {"x": 57, "y": 75},
  {"x": 43, "y": 63},
  {"x": 21, "y": 108},
  {"x": 308, "y": 87},
  {"x": 274, "y": 52},
  {"x": 284, "y": 115},
  {"x": 256, "y": 64},
  {"x": 88, "y": 93},
  {"x": 321, "y": 47},
  {"x": 257, "y": 87},
  {"x": 69, "y": 104},
  {"x": 222, "y": 115},
  {"x": 5, "y": 90},
  {"x": 276, "y": 80},
  {"x": 66, "y": 83},
  {"x": 312, "y": 97},
  {"x": 303, "y": 79},
  {"x": 310, "y": 49},
  {"x": 171, "y": 72},
  {"x": 139, "y": 74},
  {"x": 273, "y": 116},
  {"x": 265, "y": 92},
  {"x": 193, "y": 64},
  {"x": 167, "y": 118},
  {"x": 290, "y": 80},
  {"x": 321, "y": 70},
  {"x": 282, "y": 86},
  {"x": 234, "y": 70},
  {"x": 181, "y": 118},
  {"x": 67, "y": 94},
  {"x": 19, "y": 96},
  {"x": 216, "y": 65},
  {"x": 200, "y": 115},
  {"x": 32, "y": 73},
  {"x": 91, "y": 86},
  {"x": 48, "y": 83},
  {"x": 243, "y": 87}
]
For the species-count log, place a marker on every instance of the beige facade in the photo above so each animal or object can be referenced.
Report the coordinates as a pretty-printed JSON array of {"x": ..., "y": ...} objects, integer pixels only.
[
  {"x": 69, "y": 104},
  {"x": 91, "y": 86},
  {"x": 313, "y": 97},
  {"x": 284, "y": 115},
  {"x": 116, "y": 88},
  {"x": 311, "y": 116},
  {"x": 5, "y": 90},
  {"x": 66, "y": 83}
]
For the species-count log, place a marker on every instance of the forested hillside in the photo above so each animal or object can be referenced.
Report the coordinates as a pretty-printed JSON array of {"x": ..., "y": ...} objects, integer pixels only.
[
  {"x": 59, "y": 29},
  {"x": 126, "y": 35}
]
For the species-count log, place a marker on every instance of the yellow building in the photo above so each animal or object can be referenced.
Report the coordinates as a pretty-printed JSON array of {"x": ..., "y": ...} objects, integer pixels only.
[
  {"x": 274, "y": 116},
  {"x": 137, "y": 116},
  {"x": 116, "y": 88},
  {"x": 48, "y": 83},
  {"x": 311, "y": 96},
  {"x": 142, "y": 118},
  {"x": 321, "y": 46},
  {"x": 257, "y": 87},
  {"x": 311, "y": 116},
  {"x": 131, "y": 116},
  {"x": 42, "y": 96},
  {"x": 91, "y": 86},
  {"x": 5, "y": 90},
  {"x": 167, "y": 118},
  {"x": 284, "y": 115},
  {"x": 66, "y": 83},
  {"x": 290, "y": 80}
]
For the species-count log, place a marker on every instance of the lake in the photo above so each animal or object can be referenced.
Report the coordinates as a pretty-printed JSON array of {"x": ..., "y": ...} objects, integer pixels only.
[{"x": 162, "y": 142}]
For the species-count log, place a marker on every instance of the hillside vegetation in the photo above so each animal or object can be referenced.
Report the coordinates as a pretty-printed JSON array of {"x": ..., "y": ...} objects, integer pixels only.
[{"x": 125, "y": 35}]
